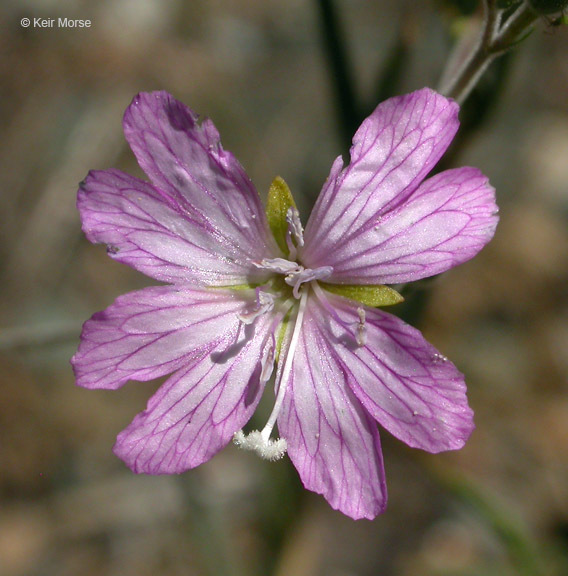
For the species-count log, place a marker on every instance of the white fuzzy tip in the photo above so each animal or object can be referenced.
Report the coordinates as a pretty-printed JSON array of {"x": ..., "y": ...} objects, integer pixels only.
[{"x": 267, "y": 449}]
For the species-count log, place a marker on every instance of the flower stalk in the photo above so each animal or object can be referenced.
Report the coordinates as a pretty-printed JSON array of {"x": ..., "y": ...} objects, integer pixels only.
[{"x": 499, "y": 34}]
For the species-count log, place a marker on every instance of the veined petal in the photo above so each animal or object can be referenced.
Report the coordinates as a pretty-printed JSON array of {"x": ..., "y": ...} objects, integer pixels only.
[
  {"x": 198, "y": 410},
  {"x": 413, "y": 391},
  {"x": 155, "y": 331},
  {"x": 332, "y": 441},
  {"x": 185, "y": 160},
  {"x": 149, "y": 231},
  {"x": 445, "y": 222},
  {"x": 392, "y": 152}
]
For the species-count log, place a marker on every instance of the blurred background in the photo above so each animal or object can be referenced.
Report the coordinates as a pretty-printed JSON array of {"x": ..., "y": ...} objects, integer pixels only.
[{"x": 262, "y": 70}]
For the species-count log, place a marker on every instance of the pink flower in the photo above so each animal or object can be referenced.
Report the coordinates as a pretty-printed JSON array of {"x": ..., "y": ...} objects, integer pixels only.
[{"x": 247, "y": 292}]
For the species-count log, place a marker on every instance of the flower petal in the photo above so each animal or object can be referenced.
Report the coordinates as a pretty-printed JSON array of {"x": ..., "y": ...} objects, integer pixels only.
[
  {"x": 332, "y": 440},
  {"x": 155, "y": 331},
  {"x": 185, "y": 160},
  {"x": 413, "y": 391},
  {"x": 447, "y": 221},
  {"x": 198, "y": 410},
  {"x": 392, "y": 152},
  {"x": 152, "y": 233}
]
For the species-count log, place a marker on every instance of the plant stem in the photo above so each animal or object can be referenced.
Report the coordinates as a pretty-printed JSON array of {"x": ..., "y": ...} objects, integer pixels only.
[
  {"x": 340, "y": 69},
  {"x": 497, "y": 37}
]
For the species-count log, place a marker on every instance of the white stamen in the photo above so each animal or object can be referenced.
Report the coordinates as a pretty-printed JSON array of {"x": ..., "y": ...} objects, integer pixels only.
[
  {"x": 260, "y": 442},
  {"x": 295, "y": 226},
  {"x": 278, "y": 265},
  {"x": 283, "y": 383},
  {"x": 293, "y": 252},
  {"x": 361, "y": 329},
  {"x": 264, "y": 304},
  {"x": 295, "y": 273},
  {"x": 295, "y": 233},
  {"x": 304, "y": 275},
  {"x": 254, "y": 441},
  {"x": 360, "y": 332},
  {"x": 267, "y": 361}
]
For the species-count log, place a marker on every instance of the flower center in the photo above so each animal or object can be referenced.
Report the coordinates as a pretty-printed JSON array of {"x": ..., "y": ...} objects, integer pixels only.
[{"x": 295, "y": 275}]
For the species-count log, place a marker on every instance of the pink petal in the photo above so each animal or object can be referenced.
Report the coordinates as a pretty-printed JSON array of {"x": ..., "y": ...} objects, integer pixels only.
[
  {"x": 413, "y": 391},
  {"x": 199, "y": 409},
  {"x": 155, "y": 331},
  {"x": 332, "y": 441},
  {"x": 185, "y": 160},
  {"x": 447, "y": 221},
  {"x": 392, "y": 152},
  {"x": 150, "y": 232}
]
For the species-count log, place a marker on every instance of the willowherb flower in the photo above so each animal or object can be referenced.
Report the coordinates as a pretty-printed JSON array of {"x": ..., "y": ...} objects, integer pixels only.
[{"x": 250, "y": 295}]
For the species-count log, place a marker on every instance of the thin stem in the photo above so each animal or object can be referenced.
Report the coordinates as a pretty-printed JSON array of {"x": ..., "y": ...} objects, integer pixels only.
[
  {"x": 469, "y": 75},
  {"x": 514, "y": 29},
  {"x": 340, "y": 69},
  {"x": 491, "y": 18},
  {"x": 496, "y": 38}
]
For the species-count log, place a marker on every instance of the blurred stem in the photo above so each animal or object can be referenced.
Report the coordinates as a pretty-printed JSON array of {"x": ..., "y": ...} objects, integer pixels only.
[
  {"x": 209, "y": 530},
  {"x": 390, "y": 77},
  {"x": 340, "y": 70},
  {"x": 15, "y": 337},
  {"x": 498, "y": 35},
  {"x": 523, "y": 553}
]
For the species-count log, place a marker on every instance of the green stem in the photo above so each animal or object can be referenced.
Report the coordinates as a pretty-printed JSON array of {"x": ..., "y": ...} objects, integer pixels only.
[{"x": 496, "y": 38}]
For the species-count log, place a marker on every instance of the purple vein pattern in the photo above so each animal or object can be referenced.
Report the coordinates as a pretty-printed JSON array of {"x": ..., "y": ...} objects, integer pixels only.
[{"x": 235, "y": 311}]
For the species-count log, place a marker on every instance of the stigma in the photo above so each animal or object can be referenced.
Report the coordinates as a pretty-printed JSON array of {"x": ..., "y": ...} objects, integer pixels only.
[
  {"x": 294, "y": 274},
  {"x": 265, "y": 447}
]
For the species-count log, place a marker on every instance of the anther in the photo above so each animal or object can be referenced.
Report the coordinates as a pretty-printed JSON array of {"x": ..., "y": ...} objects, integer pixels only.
[
  {"x": 295, "y": 226},
  {"x": 361, "y": 328},
  {"x": 264, "y": 303},
  {"x": 303, "y": 275}
]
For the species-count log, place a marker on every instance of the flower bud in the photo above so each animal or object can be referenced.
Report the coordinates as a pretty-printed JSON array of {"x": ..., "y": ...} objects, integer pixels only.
[{"x": 544, "y": 7}]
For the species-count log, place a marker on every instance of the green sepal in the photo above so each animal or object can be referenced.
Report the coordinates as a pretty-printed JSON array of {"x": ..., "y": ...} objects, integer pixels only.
[
  {"x": 279, "y": 200},
  {"x": 371, "y": 295},
  {"x": 234, "y": 287}
]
